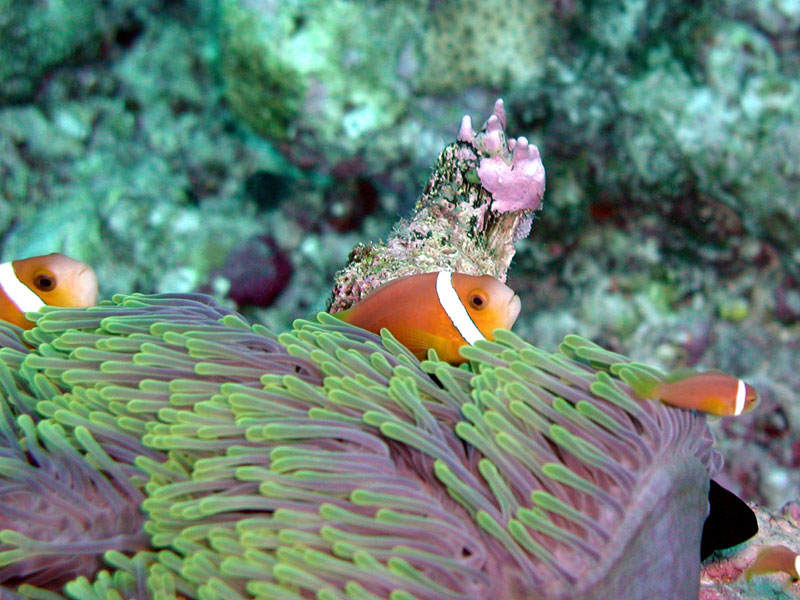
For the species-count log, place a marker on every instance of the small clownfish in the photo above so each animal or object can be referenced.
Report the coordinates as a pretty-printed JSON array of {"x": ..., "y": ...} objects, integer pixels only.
[
  {"x": 28, "y": 284},
  {"x": 443, "y": 311},
  {"x": 713, "y": 392},
  {"x": 773, "y": 559}
]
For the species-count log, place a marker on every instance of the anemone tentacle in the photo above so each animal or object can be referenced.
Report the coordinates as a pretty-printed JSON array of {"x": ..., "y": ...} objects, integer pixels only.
[{"x": 327, "y": 462}]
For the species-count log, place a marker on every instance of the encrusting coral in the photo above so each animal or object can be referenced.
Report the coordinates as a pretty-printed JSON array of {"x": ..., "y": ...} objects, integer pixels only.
[{"x": 326, "y": 462}]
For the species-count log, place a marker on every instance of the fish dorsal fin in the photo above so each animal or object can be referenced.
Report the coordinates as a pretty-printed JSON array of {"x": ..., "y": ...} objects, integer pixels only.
[{"x": 341, "y": 315}]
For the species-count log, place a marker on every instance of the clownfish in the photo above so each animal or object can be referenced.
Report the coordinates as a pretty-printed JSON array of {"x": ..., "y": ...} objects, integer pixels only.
[
  {"x": 28, "y": 284},
  {"x": 713, "y": 392},
  {"x": 443, "y": 311},
  {"x": 773, "y": 559}
]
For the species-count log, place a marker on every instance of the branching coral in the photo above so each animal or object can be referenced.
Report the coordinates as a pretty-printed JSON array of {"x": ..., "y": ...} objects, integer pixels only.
[{"x": 329, "y": 463}]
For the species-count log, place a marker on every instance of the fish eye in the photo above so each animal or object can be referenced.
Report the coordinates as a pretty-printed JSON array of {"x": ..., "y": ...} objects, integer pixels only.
[
  {"x": 477, "y": 300},
  {"x": 44, "y": 282}
]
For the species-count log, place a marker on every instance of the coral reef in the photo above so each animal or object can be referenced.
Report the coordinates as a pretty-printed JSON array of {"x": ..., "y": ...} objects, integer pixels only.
[
  {"x": 38, "y": 36},
  {"x": 254, "y": 273},
  {"x": 313, "y": 73},
  {"x": 499, "y": 45},
  {"x": 669, "y": 129},
  {"x": 724, "y": 578},
  {"x": 106, "y": 179},
  {"x": 326, "y": 461},
  {"x": 479, "y": 200},
  {"x": 678, "y": 123}
]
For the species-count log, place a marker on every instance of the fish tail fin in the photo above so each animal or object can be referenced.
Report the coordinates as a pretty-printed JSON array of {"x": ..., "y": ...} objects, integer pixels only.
[
  {"x": 341, "y": 315},
  {"x": 643, "y": 380}
]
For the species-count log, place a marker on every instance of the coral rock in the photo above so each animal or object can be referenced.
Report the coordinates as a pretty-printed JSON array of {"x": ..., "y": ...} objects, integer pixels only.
[{"x": 478, "y": 201}]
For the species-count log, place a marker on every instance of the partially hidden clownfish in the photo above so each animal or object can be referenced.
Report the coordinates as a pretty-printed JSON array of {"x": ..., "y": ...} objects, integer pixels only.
[
  {"x": 712, "y": 392},
  {"x": 440, "y": 310},
  {"x": 26, "y": 285},
  {"x": 773, "y": 559}
]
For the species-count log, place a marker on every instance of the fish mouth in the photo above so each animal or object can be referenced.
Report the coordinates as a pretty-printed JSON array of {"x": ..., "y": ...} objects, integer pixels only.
[{"x": 514, "y": 306}]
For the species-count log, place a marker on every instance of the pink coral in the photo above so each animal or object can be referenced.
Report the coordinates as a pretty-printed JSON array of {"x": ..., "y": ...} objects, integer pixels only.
[{"x": 516, "y": 186}]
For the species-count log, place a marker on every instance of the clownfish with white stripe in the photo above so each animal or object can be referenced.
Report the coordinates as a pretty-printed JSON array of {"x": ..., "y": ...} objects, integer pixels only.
[
  {"x": 712, "y": 392},
  {"x": 443, "y": 311},
  {"x": 774, "y": 559},
  {"x": 26, "y": 285}
]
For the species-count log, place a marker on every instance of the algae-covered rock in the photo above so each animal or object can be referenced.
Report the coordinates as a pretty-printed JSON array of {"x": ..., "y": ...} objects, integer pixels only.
[
  {"x": 671, "y": 109},
  {"x": 317, "y": 70},
  {"x": 501, "y": 45},
  {"x": 38, "y": 35},
  {"x": 479, "y": 201}
]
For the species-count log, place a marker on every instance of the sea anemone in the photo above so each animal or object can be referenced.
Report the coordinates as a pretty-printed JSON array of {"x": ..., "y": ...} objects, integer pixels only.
[{"x": 327, "y": 463}]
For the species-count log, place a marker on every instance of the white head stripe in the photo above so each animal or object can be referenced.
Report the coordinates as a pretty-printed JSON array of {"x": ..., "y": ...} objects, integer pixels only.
[
  {"x": 741, "y": 393},
  {"x": 454, "y": 308},
  {"x": 19, "y": 293}
]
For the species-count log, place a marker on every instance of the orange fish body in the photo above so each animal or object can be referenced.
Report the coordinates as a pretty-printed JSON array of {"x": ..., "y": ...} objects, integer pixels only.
[
  {"x": 443, "y": 311},
  {"x": 774, "y": 559},
  {"x": 53, "y": 279},
  {"x": 712, "y": 392}
]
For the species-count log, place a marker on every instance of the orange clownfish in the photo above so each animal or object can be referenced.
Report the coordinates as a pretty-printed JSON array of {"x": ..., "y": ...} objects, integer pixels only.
[
  {"x": 773, "y": 559},
  {"x": 713, "y": 392},
  {"x": 28, "y": 284},
  {"x": 443, "y": 311}
]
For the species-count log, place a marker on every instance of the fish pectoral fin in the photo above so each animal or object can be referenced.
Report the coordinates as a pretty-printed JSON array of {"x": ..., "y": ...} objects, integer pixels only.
[
  {"x": 419, "y": 342},
  {"x": 342, "y": 315}
]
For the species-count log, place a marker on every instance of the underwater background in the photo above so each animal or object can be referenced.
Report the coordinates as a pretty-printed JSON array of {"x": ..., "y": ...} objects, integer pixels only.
[{"x": 243, "y": 147}]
